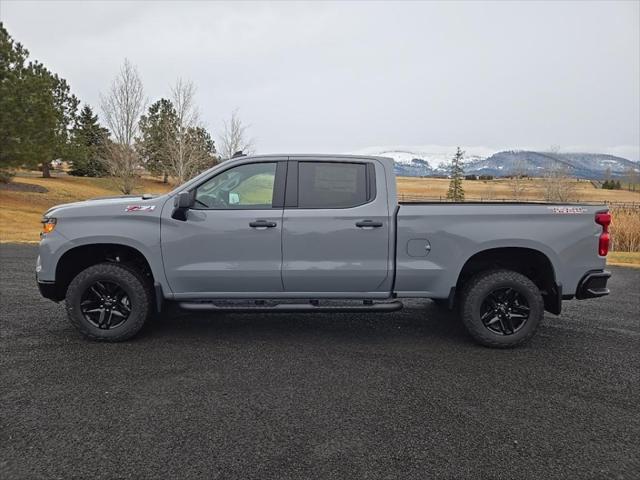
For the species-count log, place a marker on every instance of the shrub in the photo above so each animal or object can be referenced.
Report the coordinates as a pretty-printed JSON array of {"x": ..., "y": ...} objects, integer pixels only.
[
  {"x": 625, "y": 229},
  {"x": 6, "y": 176}
]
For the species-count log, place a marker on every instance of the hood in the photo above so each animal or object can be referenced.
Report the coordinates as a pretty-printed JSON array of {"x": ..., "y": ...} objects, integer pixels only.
[{"x": 124, "y": 201}]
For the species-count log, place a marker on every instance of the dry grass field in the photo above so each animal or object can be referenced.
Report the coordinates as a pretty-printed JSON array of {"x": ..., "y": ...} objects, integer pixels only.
[
  {"x": 21, "y": 210},
  {"x": 627, "y": 259},
  {"x": 501, "y": 189},
  {"x": 21, "y": 207}
]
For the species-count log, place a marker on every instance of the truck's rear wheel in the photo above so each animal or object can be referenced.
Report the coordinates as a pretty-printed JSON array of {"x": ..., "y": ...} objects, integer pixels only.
[
  {"x": 501, "y": 308},
  {"x": 109, "y": 302}
]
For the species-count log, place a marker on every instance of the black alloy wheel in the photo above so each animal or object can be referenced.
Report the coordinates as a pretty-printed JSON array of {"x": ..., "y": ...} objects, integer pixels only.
[
  {"x": 501, "y": 308},
  {"x": 105, "y": 305},
  {"x": 504, "y": 311},
  {"x": 109, "y": 301}
]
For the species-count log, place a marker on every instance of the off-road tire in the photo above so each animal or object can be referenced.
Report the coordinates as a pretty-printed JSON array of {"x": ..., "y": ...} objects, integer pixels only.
[
  {"x": 476, "y": 291},
  {"x": 137, "y": 287}
]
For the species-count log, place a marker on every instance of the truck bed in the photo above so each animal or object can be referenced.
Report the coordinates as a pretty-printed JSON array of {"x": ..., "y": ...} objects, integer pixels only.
[{"x": 435, "y": 239}]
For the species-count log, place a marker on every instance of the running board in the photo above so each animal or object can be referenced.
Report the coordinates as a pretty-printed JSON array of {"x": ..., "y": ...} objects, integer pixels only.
[{"x": 292, "y": 307}]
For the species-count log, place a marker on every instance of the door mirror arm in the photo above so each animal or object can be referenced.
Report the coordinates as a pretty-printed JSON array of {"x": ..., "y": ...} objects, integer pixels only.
[{"x": 182, "y": 203}]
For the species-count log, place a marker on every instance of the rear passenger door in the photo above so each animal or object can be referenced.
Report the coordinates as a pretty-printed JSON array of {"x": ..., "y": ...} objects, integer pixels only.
[{"x": 336, "y": 231}]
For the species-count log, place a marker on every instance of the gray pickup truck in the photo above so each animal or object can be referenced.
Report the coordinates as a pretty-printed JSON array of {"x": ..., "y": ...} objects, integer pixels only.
[{"x": 317, "y": 233}]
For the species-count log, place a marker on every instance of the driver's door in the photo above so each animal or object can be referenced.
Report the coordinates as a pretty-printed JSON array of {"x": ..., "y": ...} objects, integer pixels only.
[{"x": 230, "y": 243}]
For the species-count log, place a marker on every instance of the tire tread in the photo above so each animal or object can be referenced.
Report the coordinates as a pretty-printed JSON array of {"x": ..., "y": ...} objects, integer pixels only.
[
  {"x": 129, "y": 274},
  {"x": 475, "y": 287}
]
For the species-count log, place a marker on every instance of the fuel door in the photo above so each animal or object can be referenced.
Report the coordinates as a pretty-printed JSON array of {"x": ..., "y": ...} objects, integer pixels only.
[{"x": 418, "y": 247}]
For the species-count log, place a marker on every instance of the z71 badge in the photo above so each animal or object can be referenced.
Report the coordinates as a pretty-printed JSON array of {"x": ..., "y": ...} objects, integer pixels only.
[
  {"x": 567, "y": 210},
  {"x": 139, "y": 208}
]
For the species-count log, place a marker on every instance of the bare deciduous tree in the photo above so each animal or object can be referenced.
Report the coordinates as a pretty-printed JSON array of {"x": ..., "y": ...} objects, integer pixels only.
[
  {"x": 489, "y": 190},
  {"x": 189, "y": 150},
  {"x": 123, "y": 164},
  {"x": 632, "y": 178},
  {"x": 518, "y": 180},
  {"x": 559, "y": 186},
  {"x": 122, "y": 106},
  {"x": 234, "y": 138}
]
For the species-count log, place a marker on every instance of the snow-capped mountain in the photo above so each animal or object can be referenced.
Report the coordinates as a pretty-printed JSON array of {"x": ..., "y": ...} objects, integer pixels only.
[
  {"x": 581, "y": 165},
  {"x": 432, "y": 160},
  {"x": 432, "y": 157}
]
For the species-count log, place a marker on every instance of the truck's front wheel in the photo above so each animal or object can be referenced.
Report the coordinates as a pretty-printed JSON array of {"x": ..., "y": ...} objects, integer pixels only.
[
  {"x": 108, "y": 302},
  {"x": 501, "y": 308}
]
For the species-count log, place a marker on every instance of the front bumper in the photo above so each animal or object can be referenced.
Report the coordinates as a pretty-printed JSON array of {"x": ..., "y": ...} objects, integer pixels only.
[
  {"x": 593, "y": 284},
  {"x": 50, "y": 290}
]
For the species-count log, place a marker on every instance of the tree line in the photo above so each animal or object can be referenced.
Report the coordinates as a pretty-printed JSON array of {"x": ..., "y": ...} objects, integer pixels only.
[
  {"x": 41, "y": 121},
  {"x": 612, "y": 185}
]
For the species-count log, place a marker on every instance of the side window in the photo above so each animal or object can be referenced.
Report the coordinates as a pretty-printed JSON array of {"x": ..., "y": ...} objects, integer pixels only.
[
  {"x": 245, "y": 187},
  {"x": 332, "y": 185}
]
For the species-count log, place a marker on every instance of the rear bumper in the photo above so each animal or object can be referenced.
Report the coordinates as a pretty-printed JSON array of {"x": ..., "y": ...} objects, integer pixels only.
[{"x": 593, "y": 284}]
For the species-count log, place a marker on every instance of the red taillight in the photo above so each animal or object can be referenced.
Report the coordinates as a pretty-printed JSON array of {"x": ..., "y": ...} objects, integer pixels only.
[{"x": 603, "y": 219}]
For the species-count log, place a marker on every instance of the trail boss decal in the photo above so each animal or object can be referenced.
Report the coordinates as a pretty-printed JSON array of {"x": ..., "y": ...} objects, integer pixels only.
[
  {"x": 139, "y": 208},
  {"x": 567, "y": 210}
]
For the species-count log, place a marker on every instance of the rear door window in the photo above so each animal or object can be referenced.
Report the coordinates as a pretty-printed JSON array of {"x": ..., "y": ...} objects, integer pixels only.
[{"x": 332, "y": 185}]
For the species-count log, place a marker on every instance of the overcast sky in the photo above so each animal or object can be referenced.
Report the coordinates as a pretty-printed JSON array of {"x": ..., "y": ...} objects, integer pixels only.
[{"x": 344, "y": 76}]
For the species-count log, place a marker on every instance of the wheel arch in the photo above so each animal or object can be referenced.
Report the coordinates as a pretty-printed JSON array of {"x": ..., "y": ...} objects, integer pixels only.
[
  {"x": 79, "y": 257},
  {"x": 530, "y": 262}
]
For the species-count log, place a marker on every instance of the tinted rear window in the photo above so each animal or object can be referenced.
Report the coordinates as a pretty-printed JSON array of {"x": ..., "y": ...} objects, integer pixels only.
[{"x": 331, "y": 185}]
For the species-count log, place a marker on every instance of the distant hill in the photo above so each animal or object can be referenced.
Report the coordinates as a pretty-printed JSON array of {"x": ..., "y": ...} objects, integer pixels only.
[
  {"x": 432, "y": 160},
  {"x": 581, "y": 165}
]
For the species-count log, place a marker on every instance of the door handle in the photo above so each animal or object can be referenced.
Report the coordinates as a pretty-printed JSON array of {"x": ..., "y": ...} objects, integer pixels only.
[
  {"x": 262, "y": 224},
  {"x": 368, "y": 223}
]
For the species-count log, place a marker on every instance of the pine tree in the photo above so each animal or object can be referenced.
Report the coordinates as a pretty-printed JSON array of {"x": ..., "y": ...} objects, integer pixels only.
[
  {"x": 158, "y": 128},
  {"x": 13, "y": 60},
  {"x": 36, "y": 109},
  {"x": 204, "y": 143},
  {"x": 456, "y": 191},
  {"x": 87, "y": 146}
]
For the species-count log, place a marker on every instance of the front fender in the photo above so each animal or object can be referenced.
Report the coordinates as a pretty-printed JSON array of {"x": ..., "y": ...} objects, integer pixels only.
[{"x": 143, "y": 236}]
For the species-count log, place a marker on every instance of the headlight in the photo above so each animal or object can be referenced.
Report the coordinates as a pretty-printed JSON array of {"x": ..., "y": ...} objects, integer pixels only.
[{"x": 48, "y": 225}]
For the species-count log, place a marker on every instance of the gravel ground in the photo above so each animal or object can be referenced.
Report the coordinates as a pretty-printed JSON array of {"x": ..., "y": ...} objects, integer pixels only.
[{"x": 402, "y": 395}]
